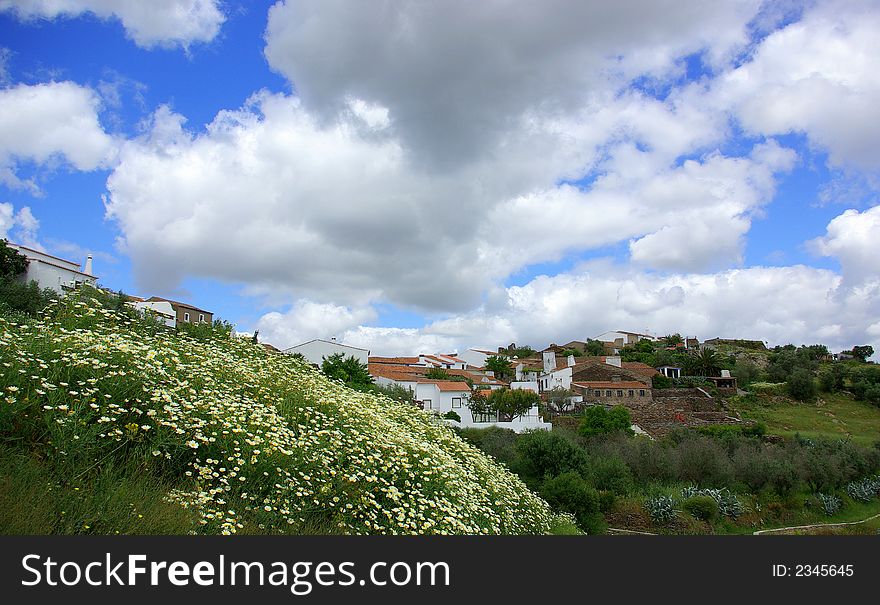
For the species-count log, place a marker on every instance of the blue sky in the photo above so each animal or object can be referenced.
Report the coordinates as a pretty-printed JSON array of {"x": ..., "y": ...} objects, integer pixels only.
[{"x": 419, "y": 179}]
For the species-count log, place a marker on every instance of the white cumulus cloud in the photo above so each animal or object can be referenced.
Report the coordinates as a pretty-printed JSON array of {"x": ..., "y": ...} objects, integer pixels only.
[{"x": 150, "y": 23}]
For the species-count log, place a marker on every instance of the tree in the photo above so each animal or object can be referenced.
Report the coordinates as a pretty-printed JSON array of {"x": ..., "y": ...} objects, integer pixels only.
[
  {"x": 395, "y": 391},
  {"x": 349, "y": 370},
  {"x": 746, "y": 372},
  {"x": 559, "y": 398},
  {"x": 598, "y": 420},
  {"x": 500, "y": 365},
  {"x": 437, "y": 374},
  {"x": 862, "y": 352},
  {"x": 12, "y": 262},
  {"x": 595, "y": 347},
  {"x": 705, "y": 363},
  {"x": 801, "y": 386},
  {"x": 671, "y": 340},
  {"x": 510, "y": 403}
]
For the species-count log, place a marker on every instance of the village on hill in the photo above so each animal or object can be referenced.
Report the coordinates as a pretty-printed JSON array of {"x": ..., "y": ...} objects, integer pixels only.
[{"x": 684, "y": 387}]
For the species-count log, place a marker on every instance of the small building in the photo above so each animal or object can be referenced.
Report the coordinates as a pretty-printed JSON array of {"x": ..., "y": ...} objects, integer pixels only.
[
  {"x": 185, "y": 312},
  {"x": 612, "y": 393},
  {"x": 53, "y": 272},
  {"x": 316, "y": 350},
  {"x": 670, "y": 371}
]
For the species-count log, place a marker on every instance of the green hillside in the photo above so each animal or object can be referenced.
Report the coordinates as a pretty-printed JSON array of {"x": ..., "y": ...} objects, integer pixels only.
[{"x": 109, "y": 423}]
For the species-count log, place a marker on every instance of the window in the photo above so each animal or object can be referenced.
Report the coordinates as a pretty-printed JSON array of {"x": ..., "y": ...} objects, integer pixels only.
[
  {"x": 456, "y": 402},
  {"x": 619, "y": 393},
  {"x": 186, "y": 317},
  {"x": 608, "y": 393},
  {"x": 201, "y": 318},
  {"x": 597, "y": 393},
  {"x": 641, "y": 392},
  {"x": 632, "y": 393},
  {"x": 427, "y": 404}
]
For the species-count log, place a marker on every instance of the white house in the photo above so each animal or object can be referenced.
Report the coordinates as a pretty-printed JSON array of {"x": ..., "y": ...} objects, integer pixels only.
[
  {"x": 162, "y": 310},
  {"x": 316, "y": 350},
  {"x": 476, "y": 357},
  {"x": 54, "y": 272}
]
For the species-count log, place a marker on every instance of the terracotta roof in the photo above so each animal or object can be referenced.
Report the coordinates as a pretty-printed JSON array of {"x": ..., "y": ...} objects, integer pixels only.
[
  {"x": 394, "y": 360},
  {"x": 601, "y": 384},
  {"x": 449, "y": 385},
  {"x": 177, "y": 304}
]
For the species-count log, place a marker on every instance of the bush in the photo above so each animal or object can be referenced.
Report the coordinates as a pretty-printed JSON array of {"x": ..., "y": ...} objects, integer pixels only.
[
  {"x": 544, "y": 454},
  {"x": 661, "y": 509},
  {"x": 704, "y": 508},
  {"x": 801, "y": 386},
  {"x": 598, "y": 420},
  {"x": 864, "y": 490},
  {"x": 24, "y": 298},
  {"x": 570, "y": 493},
  {"x": 451, "y": 415},
  {"x": 610, "y": 474}
]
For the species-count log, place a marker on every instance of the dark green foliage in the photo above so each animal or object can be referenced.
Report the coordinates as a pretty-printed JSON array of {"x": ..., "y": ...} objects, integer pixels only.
[
  {"x": 499, "y": 443},
  {"x": 746, "y": 372},
  {"x": 394, "y": 391},
  {"x": 661, "y": 382},
  {"x": 862, "y": 352},
  {"x": 594, "y": 347},
  {"x": 510, "y": 403},
  {"x": 704, "y": 508},
  {"x": 452, "y": 415},
  {"x": 671, "y": 340},
  {"x": 610, "y": 474},
  {"x": 573, "y": 352},
  {"x": 500, "y": 365},
  {"x": 521, "y": 352},
  {"x": 706, "y": 362},
  {"x": 570, "y": 493},
  {"x": 801, "y": 385},
  {"x": 24, "y": 298},
  {"x": 749, "y": 429},
  {"x": 544, "y": 454},
  {"x": 349, "y": 370},
  {"x": 218, "y": 329},
  {"x": 832, "y": 377},
  {"x": 598, "y": 420},
  {"x": 12, "y": 262},
  {"x": 782, "y": 362},
  {"x": 437, "y": 374}
]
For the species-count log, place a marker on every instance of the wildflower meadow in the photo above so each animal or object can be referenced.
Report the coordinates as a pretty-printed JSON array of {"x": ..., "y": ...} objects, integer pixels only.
[{"x": 223, "y": 437}]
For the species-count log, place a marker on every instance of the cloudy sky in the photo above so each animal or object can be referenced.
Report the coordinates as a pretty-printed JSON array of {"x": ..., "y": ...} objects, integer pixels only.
[{"x": 428, "y": 176}]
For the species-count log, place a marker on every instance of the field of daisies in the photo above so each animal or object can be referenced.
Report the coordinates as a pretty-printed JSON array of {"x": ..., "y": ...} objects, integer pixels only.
[{"x": 112, "y": 424}]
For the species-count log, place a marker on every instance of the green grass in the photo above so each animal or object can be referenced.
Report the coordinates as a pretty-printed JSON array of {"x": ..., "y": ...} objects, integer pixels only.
[
  {"x": 831, "y": 416},
  {"x": 38, "y": 497}
]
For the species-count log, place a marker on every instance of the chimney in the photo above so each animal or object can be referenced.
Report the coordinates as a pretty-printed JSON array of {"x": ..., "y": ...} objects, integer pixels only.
[
  {"x": 519, "y": 371},
  {"x": 549, "y": 361},
  {"x": 613, "y": 361},
  {"x": 570, "y": 360},
  {"x": 88, "y": 267}
]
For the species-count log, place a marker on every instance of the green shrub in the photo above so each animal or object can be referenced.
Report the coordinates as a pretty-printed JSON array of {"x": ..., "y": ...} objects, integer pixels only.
[
  {"x": 545, "y": 454},
  {"x": 452, "y": 415},
  {"x": 598, "y": 420},
  {"x": 768, "y": 388},
  {"x": 801, "y": 386},
  {"x": 704, "y": 508},
  {"x": 864, "y": 490},
  {"x": 570, "y": 493},
  {"x": 610, "y": 474},
  {"x": 25, "y": 298}
]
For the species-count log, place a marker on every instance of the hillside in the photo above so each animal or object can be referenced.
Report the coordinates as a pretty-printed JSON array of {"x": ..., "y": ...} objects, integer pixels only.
[{"x": 97, "y": 403}]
